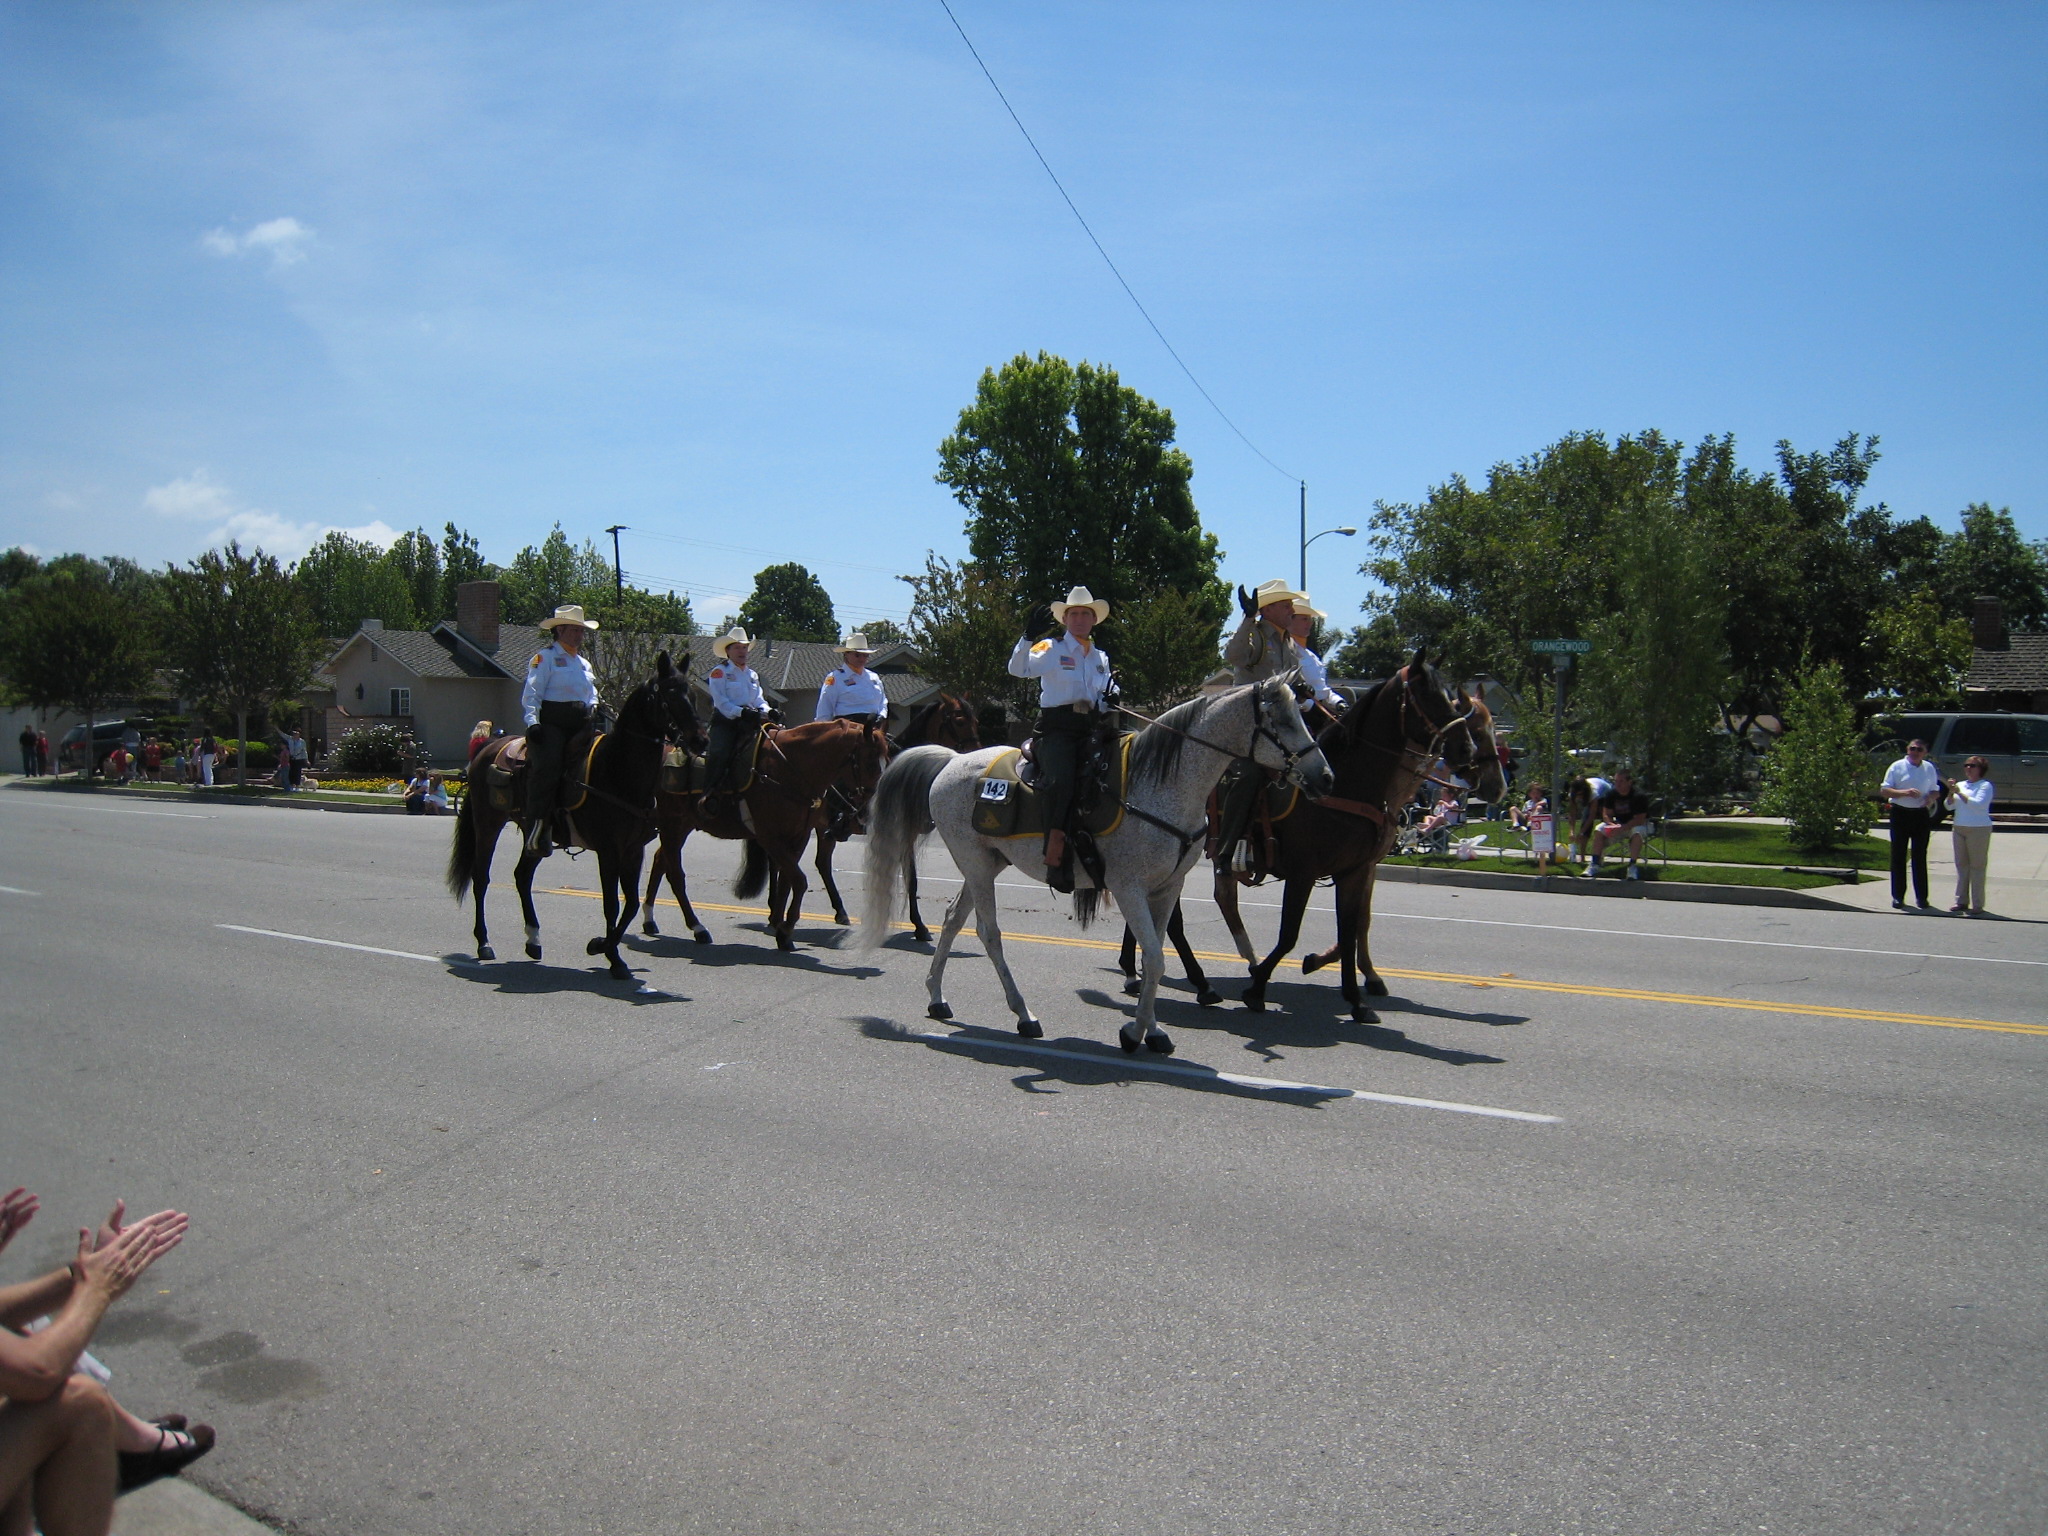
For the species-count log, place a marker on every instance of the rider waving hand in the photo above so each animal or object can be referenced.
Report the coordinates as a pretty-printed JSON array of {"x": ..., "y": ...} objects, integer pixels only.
[{"x": 1073, "y": 674}]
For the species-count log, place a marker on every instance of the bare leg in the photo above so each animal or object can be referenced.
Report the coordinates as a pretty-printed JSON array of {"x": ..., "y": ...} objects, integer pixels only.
[{"x": 57, "y": 1457}]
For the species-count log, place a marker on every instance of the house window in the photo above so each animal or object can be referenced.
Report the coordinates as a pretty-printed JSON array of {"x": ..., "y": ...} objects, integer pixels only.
[{"x": 401, "y": 701}]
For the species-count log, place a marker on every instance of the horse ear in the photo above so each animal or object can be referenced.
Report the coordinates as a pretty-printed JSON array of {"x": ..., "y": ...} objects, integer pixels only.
[
  {"x": 663, "y": 667},
  {"x": 1419, "y": 661}
]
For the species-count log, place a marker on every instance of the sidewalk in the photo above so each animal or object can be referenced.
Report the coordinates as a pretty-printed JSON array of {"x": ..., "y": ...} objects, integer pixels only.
[
  {"x": 174, "y": 1507},
  {"x": 2017, "y": 887}
]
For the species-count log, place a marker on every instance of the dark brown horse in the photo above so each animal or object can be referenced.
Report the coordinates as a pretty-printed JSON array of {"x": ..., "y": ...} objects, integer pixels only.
[
  {"x": 615, "y": 819},
  {"x": 774, "y": 817}
]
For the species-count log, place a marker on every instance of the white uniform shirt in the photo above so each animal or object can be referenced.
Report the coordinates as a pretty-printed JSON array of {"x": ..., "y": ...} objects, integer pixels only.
[
  {"x": 734, "y": 689},
  {"x": 1921, "y": 780},
  {"x": 847, "y": 692},
  {"x": 1317, "y": 676},
  {"x": 1069, "y": 671},
  {"x": 1971, "y": 802},
  {"x": 556, "y": 677}
]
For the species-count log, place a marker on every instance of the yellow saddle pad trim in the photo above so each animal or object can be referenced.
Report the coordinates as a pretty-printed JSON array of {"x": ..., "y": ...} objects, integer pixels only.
[
  {"x": 579, "y": 786},
  {"x": 1016, "y": 810}
]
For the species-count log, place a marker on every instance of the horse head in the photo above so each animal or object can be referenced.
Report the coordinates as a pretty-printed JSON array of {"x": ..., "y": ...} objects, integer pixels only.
[
  {"x": 670, "y": 688},
  {"x": 1281, "y": 739}
]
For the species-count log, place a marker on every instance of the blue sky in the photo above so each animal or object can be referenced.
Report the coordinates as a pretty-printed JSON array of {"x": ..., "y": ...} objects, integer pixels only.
[{"x": 727, "y": 273}]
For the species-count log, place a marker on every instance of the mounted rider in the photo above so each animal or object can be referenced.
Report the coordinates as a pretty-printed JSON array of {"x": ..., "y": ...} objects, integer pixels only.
[
  {"x": 1302, "y": 625},
  {"x": 1073, "y": 677},
  {"x": 1263, "y": 647},
  {"x": 559, "y": 697},
  {"x": 738, "y": 708},
  {"x": 851, "y": 691}
]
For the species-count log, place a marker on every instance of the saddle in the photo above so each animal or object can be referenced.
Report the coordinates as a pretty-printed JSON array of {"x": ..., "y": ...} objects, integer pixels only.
[
  {"x": 505, "y": 774},
  {"x": 1005, "y": 804},
  {"x": 684, "y": 773},
  {"x": 1278, "y": 800}
]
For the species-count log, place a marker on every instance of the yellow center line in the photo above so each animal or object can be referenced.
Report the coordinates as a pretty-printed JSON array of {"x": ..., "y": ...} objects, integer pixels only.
[{"x": 1452, "y": 978}]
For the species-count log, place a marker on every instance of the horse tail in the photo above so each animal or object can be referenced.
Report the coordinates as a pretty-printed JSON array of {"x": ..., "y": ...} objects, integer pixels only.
[
  {"x": 1085, "y": 902},
  {"x": 899, "y": 815},
  {"x": 752, "y": 879},
  {"x": 462, "y": 858}
]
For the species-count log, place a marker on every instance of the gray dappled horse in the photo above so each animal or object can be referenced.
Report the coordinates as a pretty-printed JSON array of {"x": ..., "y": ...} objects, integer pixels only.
[{"x": 1175, "y": 763}]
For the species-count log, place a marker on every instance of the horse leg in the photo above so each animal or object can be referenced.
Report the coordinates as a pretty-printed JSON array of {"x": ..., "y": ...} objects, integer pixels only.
[
  {"x": 1226, "y": 902},
  {"x": 522, "y": 876},
  {"x": 669, "y": 861},
  {"x": 823, "y": 863},
  {"x": 1177, "y": 930},
  {"x": 480, "y": 879},
  {"x": 1127, "y": 962},
  {"x": 1292, "y": 905},
  {"x": 788, "y": 864},
  {"x": 654, "y": 874},
  {"x": 1374, "y": 987},
  {"x": 990, "y": 933},
  {"x": 934, "y": 983},
  {"x": 1145, "y": 913},
  {"x": 618, "y": 887},
  {"x": 1349, "y": 899},
  {"x": 918, "y": 931}
]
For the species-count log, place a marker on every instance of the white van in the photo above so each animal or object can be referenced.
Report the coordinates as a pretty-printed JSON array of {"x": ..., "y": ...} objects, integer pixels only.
[{"x": 2016, "y": 747}]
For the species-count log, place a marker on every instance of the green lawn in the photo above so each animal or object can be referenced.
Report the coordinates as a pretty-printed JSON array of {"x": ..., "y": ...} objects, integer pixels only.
[
  {"x": 1734, "y": 842},
  {"x": 166, "y": 790},
  {"x": 1669, "y": 874}
]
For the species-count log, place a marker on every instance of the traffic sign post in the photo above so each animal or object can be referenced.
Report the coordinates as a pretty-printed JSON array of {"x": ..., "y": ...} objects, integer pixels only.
[{"x": 1560, "y": 653}]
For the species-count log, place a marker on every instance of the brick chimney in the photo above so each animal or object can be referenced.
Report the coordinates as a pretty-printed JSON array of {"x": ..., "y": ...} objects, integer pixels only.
[
  {"x": 476, "y": 613},
  {"x": 1987, "y": 625}
]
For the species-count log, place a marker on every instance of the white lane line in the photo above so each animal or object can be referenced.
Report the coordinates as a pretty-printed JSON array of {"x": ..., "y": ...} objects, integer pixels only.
[
  {"x": 307, "y": 938},
  {"x": 15, "y": 890},
  {"x": 1211, "y": 1075},
  {"x": 118, "y": 810},
  {"x": 1619, "y": 933}
]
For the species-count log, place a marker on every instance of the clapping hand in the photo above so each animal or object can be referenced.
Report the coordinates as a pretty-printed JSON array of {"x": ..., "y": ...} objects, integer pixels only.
[
  {"x": 119, "y": 1263},
  {"x": 17, "y": 1209}
]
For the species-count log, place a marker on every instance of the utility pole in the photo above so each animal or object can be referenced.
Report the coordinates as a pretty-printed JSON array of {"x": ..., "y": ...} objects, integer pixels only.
[
  {"x": 618, "y": 575},
  {"x": 1301, "y": 582}
]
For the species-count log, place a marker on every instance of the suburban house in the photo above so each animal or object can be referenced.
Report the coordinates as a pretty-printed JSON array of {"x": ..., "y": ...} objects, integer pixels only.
[
  {"x": 2007, "y": 671},
  {"x": 439, "y": 682}
]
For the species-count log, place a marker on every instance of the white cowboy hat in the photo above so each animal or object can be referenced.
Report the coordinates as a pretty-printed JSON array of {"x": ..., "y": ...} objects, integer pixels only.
[
  {"x": 732, "y": 637},
  {"x": 1080, "y": 597},
  {"x": 1276, "y": 591},
  {"x": 1303, "y": 605},
  {"x": 857, "y": 641},
  {"x": 568, "y": 613}
]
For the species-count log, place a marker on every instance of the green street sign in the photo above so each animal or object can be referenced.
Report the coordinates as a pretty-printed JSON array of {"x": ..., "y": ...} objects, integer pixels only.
[{"x": 1561, "y": 647}]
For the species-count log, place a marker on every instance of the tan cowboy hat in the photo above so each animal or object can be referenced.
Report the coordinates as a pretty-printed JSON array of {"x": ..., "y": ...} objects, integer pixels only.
[
  {"x": 1276, "y": 591},
  {"x": 568, "y": 613},
  {"x": 1303, "y": 605},
  {"x": 732, "y": 637},
  {"x": 1080, "y": 597},
  {"x": 857, "y": 641}
]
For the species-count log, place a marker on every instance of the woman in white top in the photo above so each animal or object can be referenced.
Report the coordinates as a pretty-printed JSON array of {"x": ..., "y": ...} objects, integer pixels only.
[{"x": 1970, "y": 805}]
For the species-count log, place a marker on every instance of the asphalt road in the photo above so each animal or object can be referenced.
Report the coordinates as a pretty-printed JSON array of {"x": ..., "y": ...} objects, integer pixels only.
[{"x": 513, "y": 1248}]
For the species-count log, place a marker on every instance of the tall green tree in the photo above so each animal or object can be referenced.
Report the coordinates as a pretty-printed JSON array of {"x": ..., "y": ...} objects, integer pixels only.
[
  {"x": 964, "y": 623},
  {"x": 1988, "y": 558},
  {"x": 789, "y": 603},
  {"x": 346, "y": 580},
  {"x": 416, "y": 561},
  {"x": 461, "y": 561},
  {"x": 238, "y": 635},
  {"x": 1071, "y": 479},
  {"x": 1163, "y": 648},
  {"x": 543, "y": 577},
  {"x": 69, "y": 639},
  {"x": 1918, "y": 657}
]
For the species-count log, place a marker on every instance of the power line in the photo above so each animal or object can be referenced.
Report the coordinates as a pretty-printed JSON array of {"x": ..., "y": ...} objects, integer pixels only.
[{"x": 1090, "y": 233}]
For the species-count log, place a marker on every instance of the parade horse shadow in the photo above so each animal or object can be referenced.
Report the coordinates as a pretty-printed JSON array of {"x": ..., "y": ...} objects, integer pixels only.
[
  {"x": 615, "y": 819},
  {"x": 1295, "y": 1030}
]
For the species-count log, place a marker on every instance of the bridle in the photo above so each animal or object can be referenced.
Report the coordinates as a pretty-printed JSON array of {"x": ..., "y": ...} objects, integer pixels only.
[
  {"x": 1410, "y": 754},
  {"x": 1290, "y": 760}
]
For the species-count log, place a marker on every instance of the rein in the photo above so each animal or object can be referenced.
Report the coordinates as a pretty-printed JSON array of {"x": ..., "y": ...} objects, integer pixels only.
[{"x": 1290, "y": 760}]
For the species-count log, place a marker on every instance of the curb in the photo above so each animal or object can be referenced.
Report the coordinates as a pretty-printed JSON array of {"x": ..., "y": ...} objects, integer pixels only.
[
  {"x": 174, "y": 1507},
  {"x": 345, "y": 807},
  {"x": 1625, "y": 890}
]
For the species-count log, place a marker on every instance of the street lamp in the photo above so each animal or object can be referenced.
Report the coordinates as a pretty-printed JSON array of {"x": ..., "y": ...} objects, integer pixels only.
[
  {"x": 618, "y": 575},
  {"x": 1347, "y": 532}
]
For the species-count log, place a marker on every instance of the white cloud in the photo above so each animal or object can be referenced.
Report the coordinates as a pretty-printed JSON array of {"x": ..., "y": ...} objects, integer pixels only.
[
  {"x": 285, "y": 239},
  {"x": 199, "y": 498}
]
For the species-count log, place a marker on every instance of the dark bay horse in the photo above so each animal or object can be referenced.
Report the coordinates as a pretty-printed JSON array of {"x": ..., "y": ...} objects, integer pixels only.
[
  {"x": 615, "y": 820},
  {"x": 774, "y": 817}
]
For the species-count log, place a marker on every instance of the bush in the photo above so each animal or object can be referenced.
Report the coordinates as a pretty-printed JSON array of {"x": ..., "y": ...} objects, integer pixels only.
[
  {"x": 1817, "y": 775},
  {"x": 262, "y": 754},
  {"x": 369, "y": 750}
]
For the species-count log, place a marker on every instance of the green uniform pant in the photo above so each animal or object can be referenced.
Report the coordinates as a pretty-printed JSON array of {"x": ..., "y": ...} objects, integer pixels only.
[
  {"x": 1061, "y": 738},
  {"x": 729, "y": 738},
  {"x": 547, "y": 746}
]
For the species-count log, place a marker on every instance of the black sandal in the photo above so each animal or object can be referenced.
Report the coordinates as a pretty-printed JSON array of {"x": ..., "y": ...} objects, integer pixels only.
[{"x": 168, "y": 1456}]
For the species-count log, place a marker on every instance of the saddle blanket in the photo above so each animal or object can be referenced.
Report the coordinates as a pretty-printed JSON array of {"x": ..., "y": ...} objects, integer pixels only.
[
  {"x": 685, "y": 774},
  {"x": 1005, "y": 806},
  {"x": 505, "y": 774}
]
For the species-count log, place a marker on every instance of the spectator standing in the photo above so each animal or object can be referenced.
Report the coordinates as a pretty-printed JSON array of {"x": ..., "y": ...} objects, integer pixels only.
[
  {"x": 1970, "y": 806},
  {"x": 42, "y": 752},
  {"x": 478, "y": 735},
  {"x": 1911, "y": 785},
  {"x": 28, "y": 751},
  {"x": 153, "y": 760},
  {"x": 209, "y": 749},
  {"x": 299, "y": 756}
]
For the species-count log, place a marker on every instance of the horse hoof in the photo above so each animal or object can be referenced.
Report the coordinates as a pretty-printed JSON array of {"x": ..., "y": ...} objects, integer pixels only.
[
  {"x": 1254, "y": 1003},
  {"x": 702, "y": 935},
  {"x": 1031, "y": 1029},
  {"x": 650, "y": 930},
  {"x": 921, "y": 935},
  {"x": 939, "y": 1011},
  {"x": 1208, "y": 997},
  {"x": 1130, "y": 986},
  {"x": 1310, "y": 964},
  {"x": 532, "y": 950},
  {"x": 1159, "y": 1043},
  {"x": 1374, "y": 987},
  {"x": 594, "y": 947},
  {"x": 1130, "y": 1046},
  {"x": 842, "y": 919},
  {"x": 622, "y": 973},
  {"x": 1360, "y": 1014},
  {"x": 485, "y": 952},
  {"x": 785, "y": 943}
]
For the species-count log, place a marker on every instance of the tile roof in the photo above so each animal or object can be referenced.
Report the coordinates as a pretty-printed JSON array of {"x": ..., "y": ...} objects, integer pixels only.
[
  {"x": 2021, "y": 668},
  {"x": 440, "y": 652}
]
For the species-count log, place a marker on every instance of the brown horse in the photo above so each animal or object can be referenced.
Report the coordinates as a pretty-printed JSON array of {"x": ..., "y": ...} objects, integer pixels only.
[
  {"x": 615, "y": 819},
  {"x": 948, "y": 721},
  {"x": 774, "y": 817}
]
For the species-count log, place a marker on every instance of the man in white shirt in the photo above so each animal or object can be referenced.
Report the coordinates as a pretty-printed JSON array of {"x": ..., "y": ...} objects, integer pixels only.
[
  {"x": 560, "y": 693},
  {"x": 737, "y": 709},
  {"x": 850, "y": 690},
  {"x": 1911, "y": 786},
  {"x": 1073, "y": 675},
  {"x": 1302, "y": 625}
]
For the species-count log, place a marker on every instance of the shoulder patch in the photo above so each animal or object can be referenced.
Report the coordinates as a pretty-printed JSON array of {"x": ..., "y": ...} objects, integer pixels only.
[
  {"x": 1041, "y": 648},
  {"x": 536, "y": 660},
  {"x": 718, "y": 671}
]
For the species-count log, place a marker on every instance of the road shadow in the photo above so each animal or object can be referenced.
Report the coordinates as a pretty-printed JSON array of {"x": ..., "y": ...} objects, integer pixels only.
[
  {"x": 1106, "y": 1066},
  {"x": 718, "y": 953},
  {"x": 539, "y": 978}
]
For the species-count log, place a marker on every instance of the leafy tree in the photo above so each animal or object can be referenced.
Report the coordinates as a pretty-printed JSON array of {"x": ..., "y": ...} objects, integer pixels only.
[
  {"x": 237, "y": 634},
  {"x": 1919, "y": 657},
  {"x": 1162, "y": 646},
  {"x": 541, "y": 579},
  {"x": 789, "y": 603},
  {"x": 1071, "y": 479},
  {"x": 881, "y": 632},
  {"x": 1372, "y": 650},
  {"x": 461, "y": 561},
  {"x": 637, "y": 611},
  {"x": 345, "y": 580},
  {"x": 416, "y": 562},
  {"x": 1817, "y": 775},
  {"x": 69, "y": 639},
  {"x": 1988, "y": 558},
  {"x": 16, "y": 566},
  {"x": 964, "y": 623}
]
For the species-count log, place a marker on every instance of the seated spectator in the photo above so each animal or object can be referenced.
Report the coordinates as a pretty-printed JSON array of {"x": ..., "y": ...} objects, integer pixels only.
[
  {"x": 1624, "y": 811},
  {"x": 66, "y": 1447},
  {"x": 416, "y": 789},
  {"x": 1449, "y": 812},
  {"x": 1537, "y": 805},
  {"x": 437, "y": 796},
  {"x": 117, "y": 764},
  {"x": 478, "y": 735}
]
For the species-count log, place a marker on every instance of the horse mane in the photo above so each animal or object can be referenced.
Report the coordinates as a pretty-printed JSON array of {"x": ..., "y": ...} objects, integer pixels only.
[
  {"x": 918, "y": 727},
  {"x": 1156, "y": 754}
]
